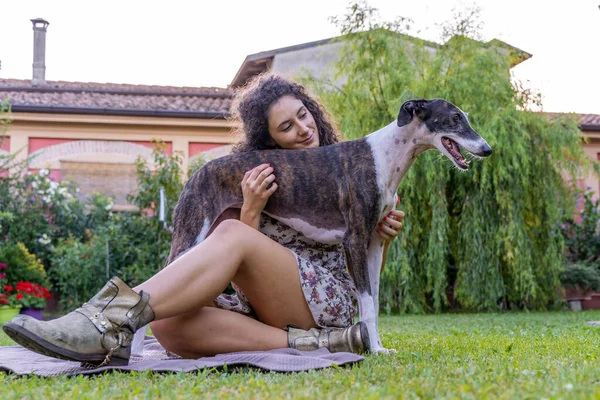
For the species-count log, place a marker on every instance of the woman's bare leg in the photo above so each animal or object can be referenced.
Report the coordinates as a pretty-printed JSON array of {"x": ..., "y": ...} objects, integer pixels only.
[
  {"x": 264, "y": 270},
  {"x": 211, "y": 331}
]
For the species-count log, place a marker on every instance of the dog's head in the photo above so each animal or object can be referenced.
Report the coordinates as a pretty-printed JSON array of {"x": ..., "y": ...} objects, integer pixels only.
[{"x": 446, "y": 128}]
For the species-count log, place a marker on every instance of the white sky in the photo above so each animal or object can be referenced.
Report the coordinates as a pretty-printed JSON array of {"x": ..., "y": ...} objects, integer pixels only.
[{"x": 203, "y": 43}]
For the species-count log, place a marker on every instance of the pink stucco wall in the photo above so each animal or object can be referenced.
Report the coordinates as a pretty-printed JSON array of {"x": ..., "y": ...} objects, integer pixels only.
[
  {"x": 5, "y": 145},
  {"x": 195, "y": 148},
  {"x": 36, "y": 144}
]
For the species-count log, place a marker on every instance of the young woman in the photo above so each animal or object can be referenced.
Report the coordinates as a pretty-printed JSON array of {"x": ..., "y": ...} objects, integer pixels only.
[{"x": 290, "y": 290}]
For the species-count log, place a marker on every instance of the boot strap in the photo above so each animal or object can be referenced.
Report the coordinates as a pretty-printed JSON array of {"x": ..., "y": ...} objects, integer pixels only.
[
  {"x": 324, "y": 338},
  {"x": 135, "y": 311},
  {"x": 112, "y": 338},
  {"x": 108, "y": 357},
  {"x": 312, "y": 339},
  {"x": 95, "y": 316}
]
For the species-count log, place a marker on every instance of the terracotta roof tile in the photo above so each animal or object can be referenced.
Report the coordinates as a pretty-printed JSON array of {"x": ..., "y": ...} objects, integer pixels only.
[
  {"x": 160, "y": 100},
  {"x": 110, "y": 96},
  {"x": 589, "y": 121}
]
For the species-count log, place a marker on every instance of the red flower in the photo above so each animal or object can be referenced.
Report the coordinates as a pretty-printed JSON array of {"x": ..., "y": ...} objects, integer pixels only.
[
  {"x": 32, "y": 294},
  {"x": 26, "y": 287},
  {"x": 8, "y": 288}
]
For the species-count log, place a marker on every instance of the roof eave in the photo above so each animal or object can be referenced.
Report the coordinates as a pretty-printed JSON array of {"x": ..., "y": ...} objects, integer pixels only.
[
  {"x": 118, "y": 111},
  {"x": 589, "y": 127},
  {"x": 266, "y": 57}
]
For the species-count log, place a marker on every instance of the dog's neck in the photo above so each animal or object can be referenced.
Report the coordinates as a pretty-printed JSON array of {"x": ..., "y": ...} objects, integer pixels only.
[{"x": 395, "y": 150}]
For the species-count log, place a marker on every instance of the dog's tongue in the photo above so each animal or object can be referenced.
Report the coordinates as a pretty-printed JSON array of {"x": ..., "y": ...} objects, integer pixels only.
[{"x": 455, "y": 151}]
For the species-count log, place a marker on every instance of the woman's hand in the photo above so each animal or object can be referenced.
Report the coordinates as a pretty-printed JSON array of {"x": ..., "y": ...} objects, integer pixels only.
[
  {"x": 391, "y": 225},
  {"x": 254, "y": 188}
]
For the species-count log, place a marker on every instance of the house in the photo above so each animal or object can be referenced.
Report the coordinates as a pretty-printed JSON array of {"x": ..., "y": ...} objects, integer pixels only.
[
  {"x": 92, "y": 133},
  {"x": 314, "y": 58},
  {"x": 590, "y": 130}
]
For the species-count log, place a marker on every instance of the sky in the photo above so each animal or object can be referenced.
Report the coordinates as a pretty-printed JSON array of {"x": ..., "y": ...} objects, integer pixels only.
[{"x": 203, "y": 43}]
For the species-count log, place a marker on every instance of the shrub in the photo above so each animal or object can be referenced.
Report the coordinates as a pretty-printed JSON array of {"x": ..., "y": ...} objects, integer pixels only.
[
  {"x": 5, "y": 217},
  {"x": 581, "y": 275},
  {"x": 46, "y": 210},
  {"x": 133, "y": 246},
  {"x": 22, "y": 265},
  {"x": 76, "y": 271},
  {"x": 583, "y": 239},
  {"x": 195, "y": 166}
]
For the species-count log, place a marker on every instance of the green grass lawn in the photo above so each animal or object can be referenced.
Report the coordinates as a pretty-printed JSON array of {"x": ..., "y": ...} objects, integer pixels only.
[{"x": 512, "y": 356}]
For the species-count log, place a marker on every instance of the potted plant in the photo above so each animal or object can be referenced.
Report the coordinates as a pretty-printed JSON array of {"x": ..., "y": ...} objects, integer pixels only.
[
  {"x": 34, "y": 297},
  {"x": 10, "y": 300},
  {"x": 26, "y": 274}
]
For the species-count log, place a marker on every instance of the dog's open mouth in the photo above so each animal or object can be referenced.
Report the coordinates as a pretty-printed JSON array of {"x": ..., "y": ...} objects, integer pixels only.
[{"x": 454, "y": 149}]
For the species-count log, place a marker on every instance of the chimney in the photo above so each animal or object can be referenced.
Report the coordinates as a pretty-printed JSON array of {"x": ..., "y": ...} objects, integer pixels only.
[{"x": 39, "y": 51}]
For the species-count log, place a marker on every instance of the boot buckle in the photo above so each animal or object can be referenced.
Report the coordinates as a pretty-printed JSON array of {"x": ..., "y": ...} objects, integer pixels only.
[{"x": 111, "y": 351}]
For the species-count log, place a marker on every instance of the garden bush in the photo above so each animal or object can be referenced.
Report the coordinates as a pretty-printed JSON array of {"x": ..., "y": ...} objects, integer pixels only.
[
  {"x": 580, "y": 275},
  {"x": 22, "y": 266},
  {"x": 42, "y": 211},
  {"x": 582, "y": 238},
  {"x": 131, "y": 245}
]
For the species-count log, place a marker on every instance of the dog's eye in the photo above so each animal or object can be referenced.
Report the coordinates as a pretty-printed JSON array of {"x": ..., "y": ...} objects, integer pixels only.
[{"x": 456, "y": 117}]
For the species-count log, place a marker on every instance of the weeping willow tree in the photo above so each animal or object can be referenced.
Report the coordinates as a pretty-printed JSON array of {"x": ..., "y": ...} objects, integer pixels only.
[{"x": 482, "y": 240}]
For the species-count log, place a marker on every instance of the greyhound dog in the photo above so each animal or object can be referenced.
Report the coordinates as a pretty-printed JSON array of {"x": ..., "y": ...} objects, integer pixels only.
[{"x": 332, "y": 194}]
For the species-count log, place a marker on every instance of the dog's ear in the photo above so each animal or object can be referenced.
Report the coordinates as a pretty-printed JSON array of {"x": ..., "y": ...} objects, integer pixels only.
[{"x": 412, "y": 108}]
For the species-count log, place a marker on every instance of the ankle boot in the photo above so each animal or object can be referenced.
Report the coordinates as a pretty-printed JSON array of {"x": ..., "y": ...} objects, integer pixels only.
[
  {"x": 354, "y": 339},
  {"x": 98, "y": 333}
]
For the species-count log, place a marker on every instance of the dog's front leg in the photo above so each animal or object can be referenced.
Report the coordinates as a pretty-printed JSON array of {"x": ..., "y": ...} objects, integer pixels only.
[
  {"x": 364, "y": 263},
  {"x": 374, "y": 260}
]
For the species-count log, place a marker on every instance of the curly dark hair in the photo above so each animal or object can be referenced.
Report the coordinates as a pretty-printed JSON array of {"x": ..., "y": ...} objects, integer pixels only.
[{"x": 250, "y": 112}]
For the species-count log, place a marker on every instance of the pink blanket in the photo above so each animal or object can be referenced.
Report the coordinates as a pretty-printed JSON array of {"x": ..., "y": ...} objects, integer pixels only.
[{"x": 18, "y": 360}]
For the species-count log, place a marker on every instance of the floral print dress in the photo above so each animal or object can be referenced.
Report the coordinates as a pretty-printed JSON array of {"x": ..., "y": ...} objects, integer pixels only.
[{"x": 328, "y": 288}]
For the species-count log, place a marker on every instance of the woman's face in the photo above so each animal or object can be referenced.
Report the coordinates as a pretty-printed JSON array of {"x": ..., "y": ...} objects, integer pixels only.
[{"x": 291, "y": 125}]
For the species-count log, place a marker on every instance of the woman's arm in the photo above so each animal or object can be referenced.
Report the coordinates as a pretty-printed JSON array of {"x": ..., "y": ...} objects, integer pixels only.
[
  {"x": 254, "y": 188},
  {"x": 389, "y": 228},
  {"x": 386, "y": 247}
]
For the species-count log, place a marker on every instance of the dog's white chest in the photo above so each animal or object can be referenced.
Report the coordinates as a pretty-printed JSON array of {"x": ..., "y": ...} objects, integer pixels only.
[{"x": 321, "y": 235}]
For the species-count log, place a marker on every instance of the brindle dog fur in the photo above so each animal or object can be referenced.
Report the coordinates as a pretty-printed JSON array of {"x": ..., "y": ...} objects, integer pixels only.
[{"x": 332, "y": 194}]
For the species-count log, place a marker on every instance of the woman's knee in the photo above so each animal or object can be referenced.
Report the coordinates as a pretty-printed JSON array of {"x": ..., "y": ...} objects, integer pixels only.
[
  {"x": 231, "y": 227},
  {"x": 168, "y": 334}
]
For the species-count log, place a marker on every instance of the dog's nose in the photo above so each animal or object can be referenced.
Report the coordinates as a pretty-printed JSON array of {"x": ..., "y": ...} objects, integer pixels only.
[{"x": 486, "y": 149}]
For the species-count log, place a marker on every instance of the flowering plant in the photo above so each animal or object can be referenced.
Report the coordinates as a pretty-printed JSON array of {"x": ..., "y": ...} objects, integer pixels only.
[
  {"x": 32, "y": 294},
  {"x": 8, "y": 296},
  {"x": 10, "y": 300}
]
